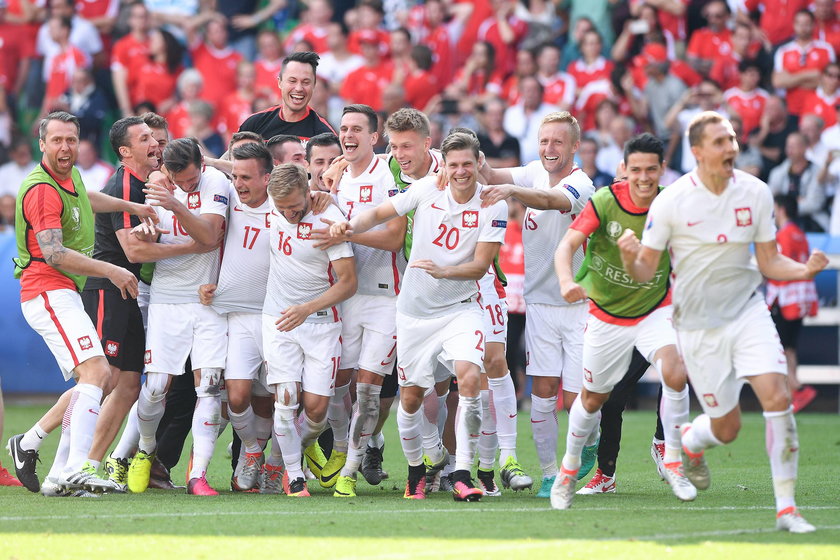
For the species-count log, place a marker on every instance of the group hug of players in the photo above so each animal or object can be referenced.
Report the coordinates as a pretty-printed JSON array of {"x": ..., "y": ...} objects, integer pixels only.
[{"x": 282, "y": 297}]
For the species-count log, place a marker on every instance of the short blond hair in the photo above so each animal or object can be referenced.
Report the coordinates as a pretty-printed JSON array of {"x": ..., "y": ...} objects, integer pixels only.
[
  {"x": 406, "y": 119},
  {"x": 564, "y": 117},
  {"x": 287, "y": 178},
  {"x": 698, "y": 124}
]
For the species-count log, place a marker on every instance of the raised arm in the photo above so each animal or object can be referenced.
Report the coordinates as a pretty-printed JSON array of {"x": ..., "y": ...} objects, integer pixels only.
[
  {"x": 776, "y": 266},
  {"x": 640, "y": 261},
  {"x": 539, "y": 199}
]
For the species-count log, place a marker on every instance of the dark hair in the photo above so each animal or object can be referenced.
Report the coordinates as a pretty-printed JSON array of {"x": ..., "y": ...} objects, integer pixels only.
[
  {"x": 324, "y": 139},
  {"x": 807, "y": 12},
  {"x": 174, "y": 51},
  {"x": 278, "y": 139},
  {"x": 65, "y": 21},
  {"x": 462, "y": 130},
  {"x": 422, "y": 56},
  {"x": 645, "y": 143},
  {"x": 366, "y": 110},
  {"x": 404, "y": 31},
  {"x": 306, "y": 57},
  {"x": 154, "y": 120},
  {"x": 789, "y": 203},
  {"x": 180, "y": 153},
  {"x": 244, "y": 135},
  {"x": 118, "y": 135},
  {"x": 257, "y": 151},
  {"x": 144, "y": 106},
  {"x": 62, "y": 116},
  {"x": 749, "y": 63},
  {"x": 375, "y": 5}
]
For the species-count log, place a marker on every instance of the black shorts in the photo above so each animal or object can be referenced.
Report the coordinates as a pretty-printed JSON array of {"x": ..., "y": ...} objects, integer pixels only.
[
  {"x": 390, "y": 385},
  {"x": 788, "y": 329},
  {"x": 120, "y": 327}
]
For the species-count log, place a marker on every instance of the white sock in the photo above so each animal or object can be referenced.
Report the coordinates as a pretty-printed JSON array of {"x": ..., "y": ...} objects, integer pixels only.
[
  {"x": 309, "y": 429},
  {"x": 288, "y": 438},
  {"x": 204, "y": 431},
  {"x": 544, "y": 430},
  {"x": 443, "y": 413},
  {"x": 595, "y": 434},
  {"x": 411, "y": 435},
  {"x": 432, "y": 435},
  {"x": 782, "y": 444},
  {"x": 63, "y": 449},
  {"x": 700, "y": 436},
  {"x": 85, "y": 412},
  {"x": 581, "y": 425},
  {"x": 673, "y": 410},
  {"x": 262, "y": 427},
  {"x": 503, "y": 394},
  {"x": 339, "y": 417},
  {"x": 275, "y": 458},
  {"x": 488, "y": 443},
  {"x": 150, "y": 408},
  {"x": 246, "y": 428},
  {"x": 365, "y": 417},
  {"x": 33, "y": 438},
  {"x": 223, "y": 423},
  {"x": 377, "y": 439},
  {"x": 130, "y": 437},
  {"x": 467, "y": 431},
  {"x": 94, "y": 463}
]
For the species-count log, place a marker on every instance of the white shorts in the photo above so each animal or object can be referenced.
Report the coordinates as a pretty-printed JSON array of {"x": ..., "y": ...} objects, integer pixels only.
[
  {"x": 60, "y": 318},
  {"x": 369, "y": 333},
  {"x": 608, "y": 348},
  {"x": 495, "y": 310},
  {"x": 179, "y": 330},
  {"x": 422, "y": 343},
  {"x": 245, "y": 350},
  {"x": 718, "y": 360},
  {"x": 309, "y": 355},
  {"x": 554, "y": 342}
]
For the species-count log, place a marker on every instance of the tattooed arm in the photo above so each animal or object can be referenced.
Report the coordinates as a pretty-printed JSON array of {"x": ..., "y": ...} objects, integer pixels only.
[{"x": 51, "y": 242}]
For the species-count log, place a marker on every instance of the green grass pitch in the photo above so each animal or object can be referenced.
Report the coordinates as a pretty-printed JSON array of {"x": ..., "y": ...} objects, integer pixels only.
[{"x": 733, "y": 519}]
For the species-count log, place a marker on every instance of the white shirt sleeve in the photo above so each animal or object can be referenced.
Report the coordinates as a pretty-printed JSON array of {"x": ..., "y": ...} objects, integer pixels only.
[
  {"x": 215, "y": 193},
  {"x": 494, "y": 224},
  {"x": 658, "y": 227},
  {"x": 342, "y": 250},
  {"x": 410, "y": 198},
  {"x": 526, "y": 176},
  {"x": 765, "y": 229},
  {"x": 578, "y": 189}
]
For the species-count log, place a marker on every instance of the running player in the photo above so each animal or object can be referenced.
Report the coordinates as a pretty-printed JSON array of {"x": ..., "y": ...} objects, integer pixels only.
[
  {"x": 555, "y": 191},
  {"x": 239, "y": 296},
  {"x": 707, "y": 220},
  {"x": 55, "y": 238},
  {"x": 438, "y": 319},
  {"x": 622, "y": 315},
  {"x": 179, "y": 326},
  {"x": 301, "y": 323},
  {"x": 368, "y": 335}
]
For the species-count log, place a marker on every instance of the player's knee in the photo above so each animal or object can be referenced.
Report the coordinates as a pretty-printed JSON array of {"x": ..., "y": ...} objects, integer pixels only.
[
  {"x": 316, "y": 410},
  {"x": 156, "y": 385},
  {"x": 238, "y": 399},
  {"x": 209, "y": 383},
  {"x": 287, "y": 395},
  {"x": 495, "y": 365},
  {"x": 727, "y": 432}
]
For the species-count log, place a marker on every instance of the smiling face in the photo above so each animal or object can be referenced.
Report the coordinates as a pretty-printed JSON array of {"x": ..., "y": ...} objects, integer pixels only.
[
  {"x": 556, "y": 147},
  {"x": 294, "y": 206},
  {"x": 643, "y": 174},
  {"x": 357, "y": 140},
  {"x": 60, "y": 147},
  {"x": 141, "y": 153},
  {"x": 461, "y": 169},
  {"x": 717, "y": 151},
  {"x": 250, "y": 182},
  {"x": 187, "y": 179},
  {"x": 297, "y": 82},
  {"x": 410, "y": 149},
  {"x": 320, "y": 158}
]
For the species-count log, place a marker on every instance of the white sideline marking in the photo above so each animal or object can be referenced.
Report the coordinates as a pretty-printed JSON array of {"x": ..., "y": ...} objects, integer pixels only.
[{"x": 153, "y": 515}]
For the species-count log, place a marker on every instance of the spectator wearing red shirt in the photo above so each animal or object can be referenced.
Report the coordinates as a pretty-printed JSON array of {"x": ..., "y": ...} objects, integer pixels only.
[
  {"x": 560, "y": 88},
  {"x": 670, "y": 14},
  {"x": 526, "y": 65},
  {"x": 827, "y": 23},
  {"x": 821, "y": 102},
  {"x": 776, "y": 17},
  {"x": 725, "y": 67},
  {"x": 400, "y": 46},
  {"x": 505, "y": 32},
  {"x": 238, "y": 106},
  {"x": 14, "y": 57},
  {"x": 368, "y": 15},
  {"x": 216, "y": 60},
  {"x": 313, "y": 28},
  {"x": 267, "y": 65},
  {"x": 440, "y": 35},
  {"x": 64, "y": 63},
  {"x": 128, "y": 53},
  {"x": 712, "y": 42},
  {"x": 591, "y": 66},
  {"x": 747, "y": 100},
  {"x": 189, "y": 86},
  {"x": 365, "y": 85},
  {"x": 799, "y": 63},
  {"x": 420, "y": 85},
  {"x": 478, "y": 77},
  {"x": 158, "y": 73}
]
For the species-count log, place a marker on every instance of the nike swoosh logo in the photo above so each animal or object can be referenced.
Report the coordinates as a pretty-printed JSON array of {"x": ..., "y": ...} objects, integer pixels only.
[
  {"x": 143, "y": 419},
  {"x": 278, "y": 435},
  {"x": 385, "y": 363},
  {"x": 409, "y": 438},
  {"x": 577, "y": 436},
  {"x": 473, "y": 435},
  {"x": 488, "y": 433},
  {"x": 366, "y": 435},
  {"x": 210, "y": 424},
  {"x": 330, "y": 477},
  {"x": 511, "y": 415},
  {"x": 93, "y": 411},
  {"x": 498, "y": 332},
  {"x": 536, "y": 421},
  {"x": 692, "y": 224},
  {"x": 18, "y": 463},
  {"x": 436, "y": 207}
]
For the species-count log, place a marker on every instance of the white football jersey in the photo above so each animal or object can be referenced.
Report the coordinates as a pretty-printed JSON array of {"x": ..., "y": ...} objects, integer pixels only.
[
  {"x": 243, "y": 275},
  {"x": 378, "y": 271},
  {"x": 709, "y": 238},
  {"x": 446, "y": 233},
  {"x": 542, "y": 230},
  {"x": 436, "y": 165},
  {"x": 177, "y": 279},
  {"x": 299, "y": 272}
]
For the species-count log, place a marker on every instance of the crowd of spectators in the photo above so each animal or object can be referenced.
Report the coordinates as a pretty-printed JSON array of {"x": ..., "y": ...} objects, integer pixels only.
[{"x": 496, "y": 66}]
